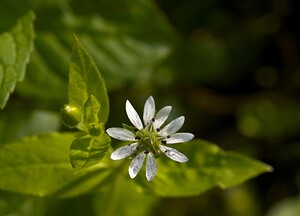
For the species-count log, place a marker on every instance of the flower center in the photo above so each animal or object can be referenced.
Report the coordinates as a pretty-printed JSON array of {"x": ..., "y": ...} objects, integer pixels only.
[{"x": 149, "y": 140}]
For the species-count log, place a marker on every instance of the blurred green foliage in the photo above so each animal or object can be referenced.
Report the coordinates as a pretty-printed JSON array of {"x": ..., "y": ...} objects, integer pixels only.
[{"x": 232, "y": 68}]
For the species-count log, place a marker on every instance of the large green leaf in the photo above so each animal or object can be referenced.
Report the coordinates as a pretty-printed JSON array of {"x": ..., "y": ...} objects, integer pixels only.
[
  {"x": 85, "y": 80},
  {"x": 16, "y": 47},
  {"x": 39, "y": 165},
  {"x": 208, "y": 167}
]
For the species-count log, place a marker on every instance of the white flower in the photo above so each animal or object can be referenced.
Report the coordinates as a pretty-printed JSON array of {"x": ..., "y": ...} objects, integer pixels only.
[{"x": 149, "y": 139}]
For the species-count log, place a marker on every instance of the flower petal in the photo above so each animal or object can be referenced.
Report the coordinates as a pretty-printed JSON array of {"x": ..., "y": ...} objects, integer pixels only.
[
  {"x": 173, "y": 154},
  {"x": 162, "y": 116},
  {"x": 133, "y": 116},
  {"x": 124, "y": 151},
  {"x": 121, "y": 134},
  {"x": 136, "y": 164},
  {"x": 179, "y": 138},
  {"x": 151, "y": 167},
  {"x": 149, "y": 110},
  {"x": 172, "y": 127}
]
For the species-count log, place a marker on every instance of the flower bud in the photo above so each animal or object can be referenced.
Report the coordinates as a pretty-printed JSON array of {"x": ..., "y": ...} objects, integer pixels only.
[{"x": 70, "y": 115}]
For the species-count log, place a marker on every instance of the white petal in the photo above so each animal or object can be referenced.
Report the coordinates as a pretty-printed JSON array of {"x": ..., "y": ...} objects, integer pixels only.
[
  {"x": 124, "y": 151},
  {"x": 151, "y": 167},
  {"x": 136, "y": 164},
  {"x": 179, "y": 138},
  {"x": 149, "y": 110},
  {"x": 162, "y": 116},
  {"x": 173, "y": 154},
  {"x": 121, "y": 134},
  {"x": 172, "y": 127},
  {"x": 133, "y": 116}
]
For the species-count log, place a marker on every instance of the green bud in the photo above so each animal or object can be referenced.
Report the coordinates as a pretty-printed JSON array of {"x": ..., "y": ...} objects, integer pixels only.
[
  {"x": 70, "y": 115},
  {"x": 96, "y": 129}
]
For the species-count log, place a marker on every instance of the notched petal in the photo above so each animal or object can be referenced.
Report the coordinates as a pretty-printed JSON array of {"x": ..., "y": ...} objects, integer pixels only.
[
  {"x": 179, "y": 138},
  {"x": 149, "y": 110},
  {"x": 173, "y": 154},
  {"x": 124, "y": 151},
  {"x": 151, "y": 167},
  {"x": 136, "y": 164},
  {"x": 161, "y": 116},
  {"x": 121, "y": 134},
  {"x": 172, "y": 127},
  {"x": 133, "y": 116}
]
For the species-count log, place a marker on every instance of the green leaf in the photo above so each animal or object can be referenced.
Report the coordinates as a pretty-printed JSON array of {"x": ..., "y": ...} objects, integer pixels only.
[
  {"x": 39, "y": 165},
  {"x": 87, "y": 151},
  {"x": 85, "y": 80},
  {"x": 208, "y": 167},
  {"x": 16, "y": 46},
  {"x": 112, "y": 199}
]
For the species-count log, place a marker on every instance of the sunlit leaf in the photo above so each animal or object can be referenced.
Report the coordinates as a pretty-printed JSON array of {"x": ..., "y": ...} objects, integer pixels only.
[
  {"x": 85, "y": 80},
  {"x": 87, "y": 151},
  {"x": 208, "y": 167},
  {"x": 39, "y": 165},
  {"x": 16, "y": 46}
]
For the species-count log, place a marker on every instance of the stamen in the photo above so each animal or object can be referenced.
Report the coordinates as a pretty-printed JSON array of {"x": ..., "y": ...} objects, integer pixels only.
[
  {"x": 147, "y": 151},
  {"x": 157, "y": 129},
  {"x": 168, "y": 136},
  {"x": 138, "y": 138},
  {"x": 163, "y": 142},
  {"x": 153, "y": 119},
  {"x": 136, "y": 130}
]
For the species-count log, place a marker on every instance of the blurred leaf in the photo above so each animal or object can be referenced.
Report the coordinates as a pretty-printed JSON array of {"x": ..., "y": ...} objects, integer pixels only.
[
  {"x": 208, "y": 166},
  {"x": 42, "y": 79},
  {"x": 87, "y": 151},
  {"x": 286, "y": 207},
  {"x": 20, "y": 205},
  {"x": 122, "y": 198},
  {"x": 11, "y": 12},
  {"x": 113, "y": 32},
  {"x": 39, "y": 165},
  {"x": 269, "y": 119},
  {"x": 16, "y": 124},
  {"x": 16, "y": 47},
  {"x": 85, "y": 80}
]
